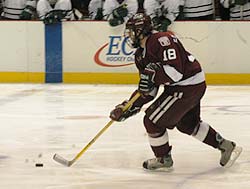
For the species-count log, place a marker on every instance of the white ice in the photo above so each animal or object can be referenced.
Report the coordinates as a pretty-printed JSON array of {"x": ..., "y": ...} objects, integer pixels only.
[{"x": 39, "y": 120}]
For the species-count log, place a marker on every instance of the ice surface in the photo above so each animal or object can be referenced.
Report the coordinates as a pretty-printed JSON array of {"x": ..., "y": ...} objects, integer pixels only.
[{"x": 40, "y": 120}]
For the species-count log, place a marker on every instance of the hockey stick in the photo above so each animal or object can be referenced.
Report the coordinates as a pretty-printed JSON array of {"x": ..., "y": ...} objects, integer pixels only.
[{"x": 68, "y": 163}]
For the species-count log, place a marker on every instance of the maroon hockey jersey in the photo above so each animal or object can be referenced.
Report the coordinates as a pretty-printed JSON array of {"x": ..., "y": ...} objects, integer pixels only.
[{"x": 178, "y": 67}]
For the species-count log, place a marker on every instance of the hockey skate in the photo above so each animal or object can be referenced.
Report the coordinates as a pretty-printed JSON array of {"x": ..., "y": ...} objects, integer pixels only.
[
  {"x": 159, "y": 163},
  {"x": 229, "y": 153}
]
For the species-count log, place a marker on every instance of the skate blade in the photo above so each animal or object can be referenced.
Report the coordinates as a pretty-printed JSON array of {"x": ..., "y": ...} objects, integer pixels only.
[
  {"x": 234, "y": 156},
  {"x": 162, "y": 169}
]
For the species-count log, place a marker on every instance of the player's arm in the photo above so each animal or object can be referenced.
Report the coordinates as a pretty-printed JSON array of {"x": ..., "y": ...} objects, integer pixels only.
[
  {"x": 132, "y": 9},
  {"x": 173, "y": 10},
  {"x": 61, "y": 12},
  {"x": 118, "y": 115},
  {"x": 29, "y": 10},
  {"x": 166, "y": 71},
  {"x": 167, "y": 15},
  {"x": 118, "y": 15},
  {"x": 65, "y": 11}
]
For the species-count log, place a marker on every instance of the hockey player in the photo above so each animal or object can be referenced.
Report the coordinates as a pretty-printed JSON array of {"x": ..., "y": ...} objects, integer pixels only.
[
  {"x": 239, "y": 9},
  {"x": 162, "y": 12},
  {"x": 54, "y": 11},
  {"x": 119, "y": 11},
  {"x": 19, "y": 10},
  {"x": 162, "y": 60}
]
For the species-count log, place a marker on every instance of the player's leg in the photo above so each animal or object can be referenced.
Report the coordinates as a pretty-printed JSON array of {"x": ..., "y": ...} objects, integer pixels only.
[
  {"x": 163, "y": 114},
  {"x": 190, "y": 124},
  {"x": 159, "y": 142}
]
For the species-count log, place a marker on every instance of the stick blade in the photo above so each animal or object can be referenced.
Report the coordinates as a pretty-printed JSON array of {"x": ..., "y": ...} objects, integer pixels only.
[{"x": 61, "y": 160}]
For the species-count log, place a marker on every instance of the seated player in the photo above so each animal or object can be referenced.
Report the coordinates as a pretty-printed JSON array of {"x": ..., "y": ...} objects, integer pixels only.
[{"x": 54, "y": 11}]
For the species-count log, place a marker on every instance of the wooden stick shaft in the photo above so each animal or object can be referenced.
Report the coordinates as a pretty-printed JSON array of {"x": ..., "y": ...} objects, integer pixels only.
[{"x": 130, "y": 103}]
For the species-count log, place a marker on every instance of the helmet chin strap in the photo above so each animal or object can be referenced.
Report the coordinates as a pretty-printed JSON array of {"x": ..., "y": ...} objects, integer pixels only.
[
  {"x": 137, "y": 42},
  {"x": 140, "y": 41}
]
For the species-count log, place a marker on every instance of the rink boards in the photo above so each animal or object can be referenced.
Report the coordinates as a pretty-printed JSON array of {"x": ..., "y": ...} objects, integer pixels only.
[{"x": 93, "y": 52}]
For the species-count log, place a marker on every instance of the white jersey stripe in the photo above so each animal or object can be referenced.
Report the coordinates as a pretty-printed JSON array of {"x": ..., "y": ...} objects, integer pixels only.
[
  {"x": 159, "y": 141},
  {"x": 172, "y": 73},
  {"x": 160, "y": 107},
  {"x": 194, "y": 8},
  {"x": 13, "y": 8},
  {"x": 171, "y": 102},
  {"x": 194, "y": 80}
]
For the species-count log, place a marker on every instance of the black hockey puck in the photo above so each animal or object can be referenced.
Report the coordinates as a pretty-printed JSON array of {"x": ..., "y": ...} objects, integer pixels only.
[{"x": 39, "y": 165}]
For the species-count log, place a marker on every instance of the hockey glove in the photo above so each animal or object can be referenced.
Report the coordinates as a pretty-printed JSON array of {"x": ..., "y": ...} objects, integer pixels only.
[
  {"x": 146, "y": 83},
  {"x": 164, "y": 24},
  {"x": 116, "y": 21},
  {"x": 118, "y": 115},
  {"x": 161, "y": 23},
  {"x": 54, "y": 16},
  {"x": 27, "y": 13},
  {"x": 99, "y": 14},
  {"x": 120, "y": 12},
  {"x": 156, "y": 22}
]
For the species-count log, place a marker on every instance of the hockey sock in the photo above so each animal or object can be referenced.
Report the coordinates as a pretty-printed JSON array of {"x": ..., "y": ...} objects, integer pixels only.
[{"x": 206, "y": 134}]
